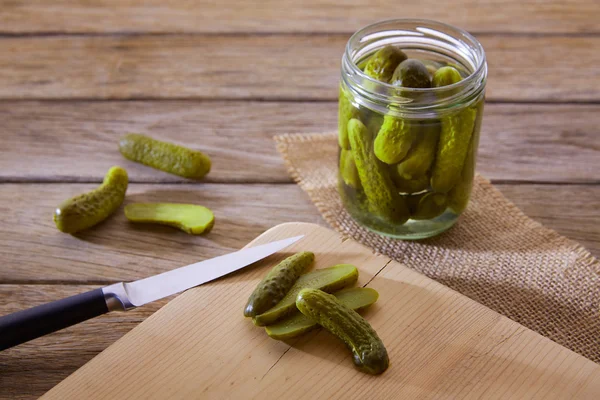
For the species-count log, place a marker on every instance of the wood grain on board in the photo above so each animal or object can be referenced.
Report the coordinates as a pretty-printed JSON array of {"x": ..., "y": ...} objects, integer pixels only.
[
  {"x": 33, "y": 250},
  {"x": 441, "y": 344},
  {"x": 205, "y": 16},
  {"x": 543, "y": 143},
  {"x": 266, "y": 67}
]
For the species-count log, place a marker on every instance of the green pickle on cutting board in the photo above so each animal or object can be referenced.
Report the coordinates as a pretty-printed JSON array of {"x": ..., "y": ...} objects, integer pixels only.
[
  {"x": 328, "y": 279},
  {"x": 278, "y": 282},
  {"x": 297, "y": 324},
  {"x": 164, "y": 156},
  {"x": 88, "y": 209},
  {"x": 369, "y": 352}
]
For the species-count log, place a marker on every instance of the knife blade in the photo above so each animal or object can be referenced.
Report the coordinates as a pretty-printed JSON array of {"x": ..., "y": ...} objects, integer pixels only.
[{"x": 32, "y": 323}]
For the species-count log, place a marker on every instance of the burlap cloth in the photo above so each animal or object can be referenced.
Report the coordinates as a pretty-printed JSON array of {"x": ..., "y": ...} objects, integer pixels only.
[{"x": 494, "y": 254}]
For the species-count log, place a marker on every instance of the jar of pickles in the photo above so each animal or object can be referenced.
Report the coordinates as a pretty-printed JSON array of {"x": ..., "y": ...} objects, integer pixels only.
[{"x": 410, "y": 110}]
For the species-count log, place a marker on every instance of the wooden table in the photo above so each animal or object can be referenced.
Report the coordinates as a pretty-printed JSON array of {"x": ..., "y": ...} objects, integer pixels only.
[{"x": 225, "y": 78}]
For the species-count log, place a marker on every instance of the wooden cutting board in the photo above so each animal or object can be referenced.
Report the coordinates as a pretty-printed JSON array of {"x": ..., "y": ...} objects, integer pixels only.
[{"x": 441, "y": 344}]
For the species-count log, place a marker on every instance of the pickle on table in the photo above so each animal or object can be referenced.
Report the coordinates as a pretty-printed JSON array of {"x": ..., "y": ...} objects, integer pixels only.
[
  {"x": 328, "y": 279},
  {"x": 348, "y": 170},
  {"x": 369, "y": 352},
  {"x": 428, "y": 205},
  {"x": 278, "y": 283},
  {"x": 190, "y": 218},
  {"x": 422, "y": 154},
  {"x": 458, "y": 197},
  {"x": 382, "y": 64},
  {"x": 411, "y": 73},
  {"x": 88, "y": 209},
  {"x": 164, "y": 156},
  {"x": 346, "y": 111},
  {"x": 382, "y": 198},
  {"x": 455, "y": 139},
  {"x": 297, "y": 324}
]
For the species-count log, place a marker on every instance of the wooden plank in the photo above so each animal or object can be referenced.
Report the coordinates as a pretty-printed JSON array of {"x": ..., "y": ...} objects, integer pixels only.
[
  {"x": 77, "y": 141},
  {"x": 440, "y": 343},
  {"x": 31, "y": 369},
  {"x": 524, "y": 68},
  {"x": 552, "y": 16},
  {"x": 32, "y": 250}
]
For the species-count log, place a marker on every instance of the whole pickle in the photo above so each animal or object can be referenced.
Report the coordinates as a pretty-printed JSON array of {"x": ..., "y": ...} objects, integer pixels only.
[
  {"x": 327, "y": 279},
  {"x": 411, "y": 73},
  {"x": 410, "y": 186},
  {"x": 277, "y": 283},
  {"x": 394, "y": 139},
  {"x": 88, "y": 209},
  {"x": 164, "y": 156},
  {"x": 382, "y": 64},
  {"x": 382, "y": 198},
  {"x": 369, "y": 353},
  {"x": 446, "y": 76},
  {"x": 455, "y": 137},
  {"x": 190, "y": 218},
  {"x": 458, "y": 197},
  {"x": 428, "y": 206},
  {"x": 422, "y": 154},
  {"x": 348, "y": 170},
  {"x": 346, "y": 111},
  {"x": 297, "y": 324}
]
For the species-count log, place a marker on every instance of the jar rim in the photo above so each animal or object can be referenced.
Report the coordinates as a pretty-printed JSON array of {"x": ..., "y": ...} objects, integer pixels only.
[
  {"x": 360, "y": 33},
  {"x": 432, "y": 33}
]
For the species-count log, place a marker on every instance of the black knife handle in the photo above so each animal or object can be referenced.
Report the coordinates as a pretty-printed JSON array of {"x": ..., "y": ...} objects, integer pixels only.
[{"x": 32, "y": 323}]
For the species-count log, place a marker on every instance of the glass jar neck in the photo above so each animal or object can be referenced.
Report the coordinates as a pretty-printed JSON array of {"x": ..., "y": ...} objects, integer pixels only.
[{"x": 419, "y": 39}]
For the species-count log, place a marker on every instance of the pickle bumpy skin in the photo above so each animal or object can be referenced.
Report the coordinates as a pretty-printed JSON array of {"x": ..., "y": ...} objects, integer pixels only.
[
  {"x": 327, "y": 279},
  {"x": 382, "y": 198},
  {"x": 167, "y": 157},
  {"x": 458, "y": 197},
  {"x": 421, "y": 156},
  {"x": 455, "y": 138},
  {"x": 88, "y": 209},
  {"x": 277, "y": 283},
  {"x": 190, "y": 218},
  {"x": 297, "y": 324},
  {"x": 348, "y": 170},
  {"x": 394, "y": 139},
  {"x": 382, "y": 64},
  {"x": 369, "y": 353}
]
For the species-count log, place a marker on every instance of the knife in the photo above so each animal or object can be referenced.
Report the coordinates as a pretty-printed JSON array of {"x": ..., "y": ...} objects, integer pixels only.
[{"x": 32, "y": 323}]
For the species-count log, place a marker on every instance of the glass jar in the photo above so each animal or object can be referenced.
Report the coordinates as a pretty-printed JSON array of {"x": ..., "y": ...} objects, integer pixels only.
[{"x": 410, "y": 111}]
